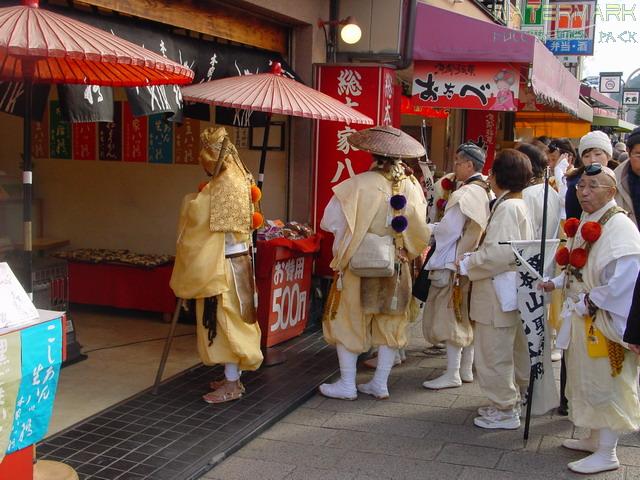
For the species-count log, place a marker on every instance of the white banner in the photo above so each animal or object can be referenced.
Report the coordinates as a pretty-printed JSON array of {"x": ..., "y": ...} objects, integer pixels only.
[{"x": 534, "y": 319}]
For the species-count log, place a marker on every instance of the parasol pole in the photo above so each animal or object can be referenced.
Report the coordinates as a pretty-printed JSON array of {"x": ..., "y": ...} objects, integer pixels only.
[
  {"x": 543, "y": 244},
  {"x": 27, "y": 178},
  {"x": 263, "y": 153}
]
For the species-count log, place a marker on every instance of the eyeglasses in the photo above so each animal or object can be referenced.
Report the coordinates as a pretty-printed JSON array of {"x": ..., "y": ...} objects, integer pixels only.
[{"x": 592, "y": 186}]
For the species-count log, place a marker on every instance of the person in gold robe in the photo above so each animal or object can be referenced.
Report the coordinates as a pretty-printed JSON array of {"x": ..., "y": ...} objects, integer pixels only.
[
  {"x": 446, "y": 316},
  {"x": 213, "y": 265},
  {"x": 384, "y": 205},
  {"x": 601, "y": 263}
]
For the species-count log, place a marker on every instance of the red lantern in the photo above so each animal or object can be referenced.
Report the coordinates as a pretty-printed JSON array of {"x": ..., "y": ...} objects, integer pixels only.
[
  {"x": 591, "y": 231},
  {"x": 571, "y": 226},
  {"x": 578, "y": 257},
  {"x": 562, "y": 256}
]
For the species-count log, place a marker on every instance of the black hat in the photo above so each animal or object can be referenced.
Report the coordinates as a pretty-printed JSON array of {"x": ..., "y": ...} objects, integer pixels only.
[{"x": 633, "y": 139}]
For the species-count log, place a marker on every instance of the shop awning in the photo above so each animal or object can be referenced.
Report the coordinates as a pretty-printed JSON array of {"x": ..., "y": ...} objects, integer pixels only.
[
  {"x": 445, "y": 36},
  {"x": 554, "y": 124},
  {"x": 596, "y": 98},
  {"x": 615, "y": 123}
]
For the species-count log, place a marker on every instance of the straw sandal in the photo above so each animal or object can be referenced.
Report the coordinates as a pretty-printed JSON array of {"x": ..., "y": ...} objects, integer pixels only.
[
  {"x": 228, "y": 392},
  {"x": 216, "y": 384}
]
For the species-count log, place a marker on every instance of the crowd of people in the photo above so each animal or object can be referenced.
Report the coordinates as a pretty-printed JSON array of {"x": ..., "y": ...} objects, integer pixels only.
[{"x": 379, "y": 220}]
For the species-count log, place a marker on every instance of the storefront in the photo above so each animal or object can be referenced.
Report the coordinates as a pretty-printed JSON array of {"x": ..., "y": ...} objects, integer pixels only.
[
  {"x": 487, "y": 72},
  {"x": 118, "y": 185}
]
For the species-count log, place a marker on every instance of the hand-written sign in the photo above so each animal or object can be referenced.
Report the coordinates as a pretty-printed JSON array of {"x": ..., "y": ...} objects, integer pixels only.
[
  {"x": 84, "y": 141},
  {"x": 135, "y": 136},
  {"x": 110, "y": 136},
  {"x": 10, "y": 374},
  {"x": 60, "y": 133},
  {"x": 160, "y": 139},
  {"x": 40, "y": 373},
  {"x": 187, "y": 141},
  {"x": 40, "y": 137}
]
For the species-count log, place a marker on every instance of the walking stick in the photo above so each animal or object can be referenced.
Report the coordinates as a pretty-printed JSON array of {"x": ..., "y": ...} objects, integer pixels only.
[
  {"x": 543, "y": 244},
  {"x": 167, "y": 346}
]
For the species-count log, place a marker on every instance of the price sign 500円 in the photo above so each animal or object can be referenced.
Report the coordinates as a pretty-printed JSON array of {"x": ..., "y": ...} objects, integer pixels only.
[{"x": 289, "y": 299}]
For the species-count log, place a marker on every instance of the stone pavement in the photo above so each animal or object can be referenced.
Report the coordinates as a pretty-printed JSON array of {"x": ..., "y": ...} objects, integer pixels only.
[{"x": 415, "y": 434}]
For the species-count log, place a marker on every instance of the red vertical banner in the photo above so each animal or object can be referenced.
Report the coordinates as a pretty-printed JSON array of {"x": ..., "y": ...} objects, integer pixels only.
[
  {"x": 482, "y": 129},
  {"x": 187, "y": 141},
  {"x": 40, "y": 137},
  {"x": 134, "y": 132},
  {"x": 368, "y": 89},
  {"x": 84, "y": 141}
]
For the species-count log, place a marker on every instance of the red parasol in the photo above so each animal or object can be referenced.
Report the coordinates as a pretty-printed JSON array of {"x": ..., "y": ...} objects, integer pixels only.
[
  {"x": 44, "y": 47},
  {"x": 272, "y": 93}
]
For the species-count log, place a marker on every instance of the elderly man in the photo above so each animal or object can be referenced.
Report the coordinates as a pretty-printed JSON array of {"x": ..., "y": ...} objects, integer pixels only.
[
  {"x": 446, "y": 312},
  {"x": 378, "y": 222},
  {"x": 601, "y": 264},
  {"x": 628, "y": 176}
]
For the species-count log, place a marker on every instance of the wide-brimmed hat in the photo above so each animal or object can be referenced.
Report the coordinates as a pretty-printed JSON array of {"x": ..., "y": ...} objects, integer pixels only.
[{"x": 387, "y": 142}]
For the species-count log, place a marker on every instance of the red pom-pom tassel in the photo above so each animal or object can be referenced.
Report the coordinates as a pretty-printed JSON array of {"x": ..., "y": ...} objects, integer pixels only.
[
  {"x": 591, "y": 231},
  {"x": 571, "y": 227},
  {"x": 562, "y": 256},
  {"x": 578, "y": 257},
  {"x": 256, "y": 194},
  {"x": 441, "y": 204},
  {"x": 257, "y": 220},
  {"x": 446, "y": 184}
]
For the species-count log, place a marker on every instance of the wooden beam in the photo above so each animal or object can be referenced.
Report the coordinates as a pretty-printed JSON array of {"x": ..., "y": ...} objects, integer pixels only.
[{"x": 212, "y": 19}]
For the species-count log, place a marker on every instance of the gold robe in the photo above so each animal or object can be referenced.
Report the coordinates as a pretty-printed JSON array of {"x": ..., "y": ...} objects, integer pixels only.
[
  {"x": 201, "y": 271},
  {"x": 364, "y": 205}
]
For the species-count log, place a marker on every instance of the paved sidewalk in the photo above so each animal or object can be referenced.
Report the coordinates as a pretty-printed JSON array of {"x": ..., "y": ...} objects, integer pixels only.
[{"x": 416, "y": 434}]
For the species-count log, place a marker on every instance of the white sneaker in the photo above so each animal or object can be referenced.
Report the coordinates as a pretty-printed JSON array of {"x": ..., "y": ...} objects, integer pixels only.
[
  {"x": 490, "y": 410},
  {"x": 581, "y": 445},
  {"x": 595, "y": 463},
  {"x": 505, "y": 419},
  {"x": 466, "y": 375},
  {"x": 556, "y": 355},
  {"x": 338, "y": 390},
  {"x": 447, "y": 380},
  {"x": 371, "y": 388}
]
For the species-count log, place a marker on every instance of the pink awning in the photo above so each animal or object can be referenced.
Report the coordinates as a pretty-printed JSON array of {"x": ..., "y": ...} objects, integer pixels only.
[
  {"x": 445, "y": 36},
  {"x": 598, "y": 99}
]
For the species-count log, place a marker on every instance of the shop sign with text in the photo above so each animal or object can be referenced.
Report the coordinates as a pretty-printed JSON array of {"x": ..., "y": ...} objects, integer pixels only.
[{"x": 477, "y": 86}]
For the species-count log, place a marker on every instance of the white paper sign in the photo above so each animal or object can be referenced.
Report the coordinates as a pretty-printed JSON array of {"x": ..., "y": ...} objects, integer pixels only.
[{"x": 15, "y": 306}]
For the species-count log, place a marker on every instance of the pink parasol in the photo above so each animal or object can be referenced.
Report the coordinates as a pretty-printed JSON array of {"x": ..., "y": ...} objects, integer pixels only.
[
  {"x": 272, "y": 93},
  {"x": 38, "y": 46}
]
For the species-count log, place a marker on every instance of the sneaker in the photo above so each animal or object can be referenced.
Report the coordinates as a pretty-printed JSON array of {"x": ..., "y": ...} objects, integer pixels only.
[
  {"x": 504, "y": 419},
  {"x": 490, "y": 410}
]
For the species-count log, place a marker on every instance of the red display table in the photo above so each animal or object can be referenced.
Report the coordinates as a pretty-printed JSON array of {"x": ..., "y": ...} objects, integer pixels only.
[
  {"x": 283, "y": 277},
  {"x": 122, "y": 286}
]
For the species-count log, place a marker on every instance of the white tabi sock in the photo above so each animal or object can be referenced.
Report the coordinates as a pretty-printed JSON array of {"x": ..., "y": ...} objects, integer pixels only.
[
  {"x": 378, "y": 384},
  {"x": 466, "y": 364},
  {"x": 231, "y": 372},
  {"x": 345, "y": 387},
  {"x": 451, "y": 377},
  {"x": 603, "y": 459}
]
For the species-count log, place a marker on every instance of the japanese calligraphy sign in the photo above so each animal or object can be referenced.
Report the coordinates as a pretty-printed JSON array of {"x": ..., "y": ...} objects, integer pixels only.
[
  {"x": 187, "y": 142},
  {"x": 10, "y": 374},
  {"x": 481, "y": 129},
  {"x": 40, "y": 137},
  {"x": 12, "y": 99},
  {"x": 59, "y": 133},
  {"x": 479, "y": 86},
  {"x": 84, "y": 141},
  {"x": 368, "y": 89},
  {"x": 110, "y": 136},
  {"x": 134, "y": 136},
  {"x": 40, "y": 373},
  {"x": 533, "y": 315},
  {"x": 160, "y": 139},
  {"x": 86, "y": 103},
  {"x": 289, "y": 300},
  {"x": 570, "y": 27},
  {"x": 631, "y": 97}
]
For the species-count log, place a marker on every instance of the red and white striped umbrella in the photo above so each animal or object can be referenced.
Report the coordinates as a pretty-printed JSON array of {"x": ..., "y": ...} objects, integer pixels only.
[
  {"x": 273, "y": 93},
  {"x": 47, "y": 47}
]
